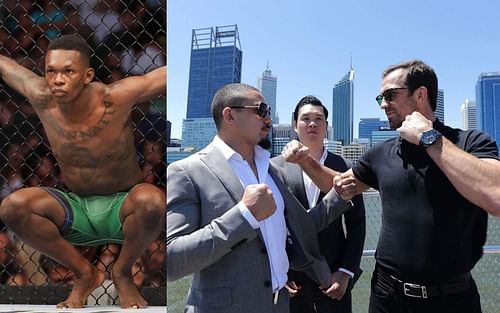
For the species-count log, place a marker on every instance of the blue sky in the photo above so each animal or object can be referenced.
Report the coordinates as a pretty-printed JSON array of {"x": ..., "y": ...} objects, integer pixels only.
[{"x": 308, "y": 45}]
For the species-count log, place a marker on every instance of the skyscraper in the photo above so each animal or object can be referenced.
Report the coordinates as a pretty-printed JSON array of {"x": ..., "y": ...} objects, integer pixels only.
[
  {"x": 281, "y": 135},
  {"x": 469, "y": 115},
  {"x": 383, "y": 135},
  {"x": 369, "y": 125},
  {"x": 343, "y": 108},
  {"x": 267, "y": 84},
  {"x": 488, "y": 103},
  {"x": 168, "y": 132},
  {"x": 216, "y": 59},
  {"x": 439, "y": 112}
]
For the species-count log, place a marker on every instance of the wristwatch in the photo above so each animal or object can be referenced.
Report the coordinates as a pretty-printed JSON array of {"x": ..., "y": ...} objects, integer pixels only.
[{"x": 429, "y": 138}]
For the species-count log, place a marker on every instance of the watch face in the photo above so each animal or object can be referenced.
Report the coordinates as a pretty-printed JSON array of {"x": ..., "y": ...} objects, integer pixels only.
[{"x": 429, "y": 138}]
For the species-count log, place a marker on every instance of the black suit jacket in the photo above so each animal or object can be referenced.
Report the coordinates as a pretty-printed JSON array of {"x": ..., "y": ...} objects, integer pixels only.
[{"x": 341, "y": 248}]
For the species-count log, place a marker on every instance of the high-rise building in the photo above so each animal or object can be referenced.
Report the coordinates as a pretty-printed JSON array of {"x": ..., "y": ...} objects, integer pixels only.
[
  {"x": 329, "y": 133},
  {"x": 488, "y": 103},
  {"x": 333, "y": 146},
  {"x": 267, "y": 84},
  {"x": 281, "y": 135},
  {"x": 343, "y": 108},
  {"x": 469, "y": 115},
  {"x": 198, "y": 132},
  {"x": 169, "y": 132},
  {"x": 366, "y": 142},
  {"x": 379, "y": 136},
  {"x": 369, "y": 125},
  {"x": 439, "y": 112},
  {"x": 216, "y": 59},
  {"x": 353, "y": 152}
]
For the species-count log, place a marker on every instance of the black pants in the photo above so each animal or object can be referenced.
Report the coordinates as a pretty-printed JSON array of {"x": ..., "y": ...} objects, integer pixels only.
[
  {"x": 311, "y": 299},
  {"x": 386, "y": 299}
]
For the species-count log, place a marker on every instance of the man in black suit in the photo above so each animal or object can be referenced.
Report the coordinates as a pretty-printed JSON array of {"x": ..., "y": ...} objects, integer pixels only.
[{"x": 341, "y": 246}]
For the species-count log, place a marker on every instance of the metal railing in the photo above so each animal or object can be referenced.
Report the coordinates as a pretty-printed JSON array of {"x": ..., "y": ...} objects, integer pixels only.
[{"x": 486, "y": 272}]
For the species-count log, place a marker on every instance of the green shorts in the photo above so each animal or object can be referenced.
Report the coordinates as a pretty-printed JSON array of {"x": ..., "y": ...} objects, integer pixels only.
[{"x": 92, "y": 220}]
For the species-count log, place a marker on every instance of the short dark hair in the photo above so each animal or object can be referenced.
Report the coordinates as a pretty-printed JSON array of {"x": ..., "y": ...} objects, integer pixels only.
[
  {"x": 227, "y": 96},
  {"x": 71, "y": 42},
  {"x": 418, "y": 74},
  {"x": 312, "y": 100}
]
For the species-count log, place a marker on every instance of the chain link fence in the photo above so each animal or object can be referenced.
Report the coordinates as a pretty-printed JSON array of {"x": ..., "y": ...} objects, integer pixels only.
[
  {"x": 127, "y": 38},
  {"x": 486, "y": 272}
]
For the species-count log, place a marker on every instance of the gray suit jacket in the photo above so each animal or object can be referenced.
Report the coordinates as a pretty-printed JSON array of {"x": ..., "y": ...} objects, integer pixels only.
[
  {"x": 342, "y": 247},
  {"x": 208, "y": 237}
]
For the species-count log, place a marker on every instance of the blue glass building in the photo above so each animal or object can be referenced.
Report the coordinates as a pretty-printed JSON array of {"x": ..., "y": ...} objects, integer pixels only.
[
  {"x": 439, "y": 112},
  {"x": 488, "y": 103},
  {"x": 343, "y": 108},
  {"x": 369, "y": 125},
  {"x": 216, "y": 58},
  {"x": 382, "y": 135},
  {"x": 169, "y": 132}
]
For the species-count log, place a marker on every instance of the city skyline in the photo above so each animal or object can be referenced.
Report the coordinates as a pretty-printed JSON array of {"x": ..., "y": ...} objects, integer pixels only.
[{"x": 310, "y": 46}]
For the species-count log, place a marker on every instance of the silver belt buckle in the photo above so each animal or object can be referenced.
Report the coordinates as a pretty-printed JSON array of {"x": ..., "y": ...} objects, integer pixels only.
[{"x": 407, "y": 288}]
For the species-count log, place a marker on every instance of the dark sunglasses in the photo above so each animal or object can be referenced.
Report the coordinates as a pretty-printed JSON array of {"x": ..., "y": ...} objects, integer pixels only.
[
  {"x": 262, "y": 108},
  {"x": 387, "y": 95}
]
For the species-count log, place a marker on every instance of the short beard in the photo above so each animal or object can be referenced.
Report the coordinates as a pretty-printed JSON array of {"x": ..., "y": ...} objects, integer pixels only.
[
  {"x": 265, "y": 143},
  {"x": 395, "y": 124}
]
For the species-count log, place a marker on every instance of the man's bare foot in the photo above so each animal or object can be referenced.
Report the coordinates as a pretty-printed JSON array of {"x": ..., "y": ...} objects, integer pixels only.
[
  {"x": 82, "y": 288},
  {"x": 128, "y": 292}
]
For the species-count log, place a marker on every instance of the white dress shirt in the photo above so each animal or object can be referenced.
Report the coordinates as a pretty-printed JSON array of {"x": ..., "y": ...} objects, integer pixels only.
[
  {"x": 273, "y": 228},
  {"x": 312, "y": 192}
]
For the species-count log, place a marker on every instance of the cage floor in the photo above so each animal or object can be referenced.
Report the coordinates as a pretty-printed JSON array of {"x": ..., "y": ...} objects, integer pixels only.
[{"x": 30, "y": 308}]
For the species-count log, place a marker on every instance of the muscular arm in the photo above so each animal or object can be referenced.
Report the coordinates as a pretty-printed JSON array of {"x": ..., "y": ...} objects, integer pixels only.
[
  {"x": 24, "y": 81},
  {"x": 321, "y": 175},
  {"x": 136, "y": 89},
  {"x": 478, "y": 180}
]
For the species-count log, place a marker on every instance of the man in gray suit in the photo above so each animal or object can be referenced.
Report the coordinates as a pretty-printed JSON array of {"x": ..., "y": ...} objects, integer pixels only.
[
  {"x": 233, "y": 223},
  {"x": 342, "y": 241}
]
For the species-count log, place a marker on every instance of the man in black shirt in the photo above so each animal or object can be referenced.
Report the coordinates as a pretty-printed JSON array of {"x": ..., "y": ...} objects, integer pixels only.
[{"x": 436, "y": 184}]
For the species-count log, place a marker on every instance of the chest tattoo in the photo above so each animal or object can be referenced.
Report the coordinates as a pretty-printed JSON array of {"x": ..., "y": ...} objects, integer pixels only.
[{"x": 88, "y": 132}]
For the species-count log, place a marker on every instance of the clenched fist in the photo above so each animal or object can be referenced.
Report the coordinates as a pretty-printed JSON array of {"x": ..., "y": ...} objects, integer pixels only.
[
  {"x": 413, "y": 126},
  {"x": 345, "y": 185},
  {"x": 259, "y": 200},
  {"x": 295, "y": 152}
]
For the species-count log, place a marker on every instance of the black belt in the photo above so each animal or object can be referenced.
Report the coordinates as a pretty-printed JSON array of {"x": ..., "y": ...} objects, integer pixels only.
[{"x": 452, "y": 286}]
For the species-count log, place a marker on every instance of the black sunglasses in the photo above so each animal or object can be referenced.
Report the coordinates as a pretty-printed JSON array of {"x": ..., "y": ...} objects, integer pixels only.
[
  {"x": 387, "y": 95},
  {"x": 263, "y": 109}
]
